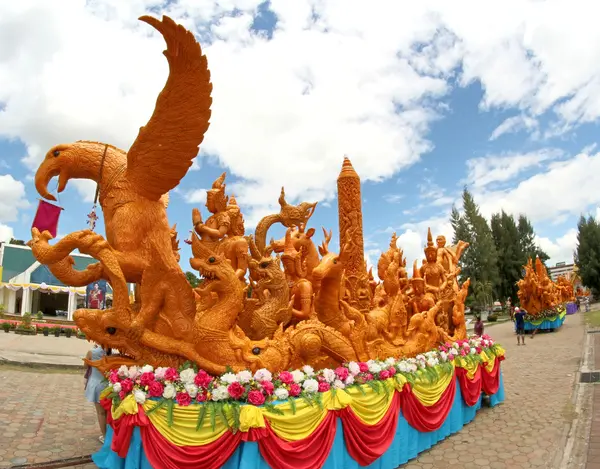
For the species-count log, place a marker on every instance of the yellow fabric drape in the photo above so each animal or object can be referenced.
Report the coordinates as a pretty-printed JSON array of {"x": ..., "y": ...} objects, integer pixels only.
[
  {"x": 183, "y": 430},
  {"x": 292, "y": 427},
  {"x": 127, "y": 406},
  {"x": 251, "y": 417},
  {"x": 429, "y": 393},
  {"x": 371, "y": 407}
]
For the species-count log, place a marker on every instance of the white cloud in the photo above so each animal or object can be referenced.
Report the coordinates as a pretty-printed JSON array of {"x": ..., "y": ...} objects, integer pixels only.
[
  {"x": 568, "y": 186},
  {"x": 560, "y": 250},
  {"x": 6, "y": 232},
  {"x": 12, "y": 198},
  {"x": 515, "y": 124},
  {"x": 393, "y": 198},
  {"x": 502, "y": 168}
]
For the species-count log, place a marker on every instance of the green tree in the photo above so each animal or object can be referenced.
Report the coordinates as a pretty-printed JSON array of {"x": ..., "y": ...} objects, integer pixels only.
[
  {"x": 527, "y": 240},
  {"x": 511, "y": 256},
  {"x": 480, "y": 260},
  {"x": 17, "y": 242},
  {"x": 192, "y": 279},
  {"x": 587, "y": 253}
]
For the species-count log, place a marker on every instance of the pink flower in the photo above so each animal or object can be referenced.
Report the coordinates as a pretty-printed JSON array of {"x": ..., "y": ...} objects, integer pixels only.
[
  {"x": 384, "y": 374},
  {"x": 122, "y": 395},
  {"x": 286, "y": 377},
  {"x": 171, "y": 374},
  {"x": 236, "y": 390},
  {"x": 323, "y": 386},
  {"x": 146, "y": 379},
  {"x": 342, "y": 373},
  {"x": 202, "y": 379},
  {"x": 367, "y": 377},
  {"x": 155, "y": 389},
  {"x": 463, "y": 352},
  {"x": 267, "y": 387},
  {"x": 255, "y": 397},
  {"x": 391, "y": 370},
  {"x": 113, "y": 377},
  {"x": 183, "y": 398},
  {"x": 295, "y": 389},
  {"x": 127, "y": 385},
  {"x": 363, "y": 367},
  {"x": 201, "y": 397}
]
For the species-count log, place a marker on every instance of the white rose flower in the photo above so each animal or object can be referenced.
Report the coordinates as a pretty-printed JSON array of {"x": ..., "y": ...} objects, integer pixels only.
[
  {"x": 169, "y": 392},
  {"x": 220, "y": 393},
  {"x": 123, "y": 371},
  {"x": 263, "y": 375},
  {"x": 473, "y": 350},
  {"x": 353, "y": 368},
  {"x": 375, "y": 367},
  {"x": 298, "y": 376},
  {"x": 420, "y": 357},
  {"x": 191, "y": 389},
  {"x": 431, "y": 362},
  {"x": 390, "y": 361},
  {"x": 349, "y": 380},
  {"x": 338, "y": 384},
  {"x": 244, "y": 376},
  {"x": 308, "y": 370},
  {"x": 310, "y": 385},
  {"x": 134, "y": 372},
  {"x": 139, "y": 396},
  {"x": 116, "y": 387},
  {"x": 329, "y": 375},
  {"x": 281, "y": 394},
  {"x": 444, "y": 356},
  {"x": 147, "y": 369},
  {"x": 229, "y": 378},
  {"x": 187, "y": 376},
  {"x": 159, "y": 373}
]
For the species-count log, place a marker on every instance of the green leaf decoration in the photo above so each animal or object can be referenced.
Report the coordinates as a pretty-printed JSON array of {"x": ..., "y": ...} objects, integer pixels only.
[
  {"x": 236, "y": 410},
  {"x": 319, "y": 400},
  {"x": 201, "y": 416},
  {"x": 273, "y": 410},
  {"x": 160, "y": 404},
  {"x": 213, "y": 416},
  {"x": 292, "y": 403},
  {"x": 170, "y": 405}
]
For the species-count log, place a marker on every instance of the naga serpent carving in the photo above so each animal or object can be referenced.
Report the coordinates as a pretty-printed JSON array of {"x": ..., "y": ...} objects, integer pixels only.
[{"x": 249, "y": 312}]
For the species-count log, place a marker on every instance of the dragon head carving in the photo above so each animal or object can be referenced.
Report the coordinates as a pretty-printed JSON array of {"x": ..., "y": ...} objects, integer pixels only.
[{"x": 295, "y": 215}]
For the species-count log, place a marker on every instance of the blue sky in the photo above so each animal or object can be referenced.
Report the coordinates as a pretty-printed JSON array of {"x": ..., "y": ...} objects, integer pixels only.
[{"x": 421, "y": 100}]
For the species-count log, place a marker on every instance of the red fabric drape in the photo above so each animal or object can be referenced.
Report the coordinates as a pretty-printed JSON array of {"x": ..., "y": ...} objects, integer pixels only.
[
  {"x": 427, "y": 418},
  {"x": 163, "y": 454},
  {"x": 490, "y": 382},
  {"x": 123, "y": 427},
  {"x": 46, "y": 218},
  {"x": 309, "y": 453},
  {"x": 470, "y": 388},
  {"x": 367, "y": 443}
]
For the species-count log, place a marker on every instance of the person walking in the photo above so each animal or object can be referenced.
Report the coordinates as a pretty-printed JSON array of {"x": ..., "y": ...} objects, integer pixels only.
[
  {"x": 520, "y": 323},
  {"x": 94, "y": 384}
]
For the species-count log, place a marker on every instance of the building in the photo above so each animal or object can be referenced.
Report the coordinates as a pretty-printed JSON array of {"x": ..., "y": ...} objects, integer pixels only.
[
  {"x": 561, "y": 268},
  {"x": 26, "y": 286}
]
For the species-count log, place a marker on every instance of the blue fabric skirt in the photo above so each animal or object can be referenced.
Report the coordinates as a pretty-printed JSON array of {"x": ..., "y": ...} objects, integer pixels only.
[{"x": 407, "y": 444}]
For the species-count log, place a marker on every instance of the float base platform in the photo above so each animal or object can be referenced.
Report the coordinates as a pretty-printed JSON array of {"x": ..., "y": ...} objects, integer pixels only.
[
  {"x": 327, "y": 451},
  {"x": 546, "y": 324}
]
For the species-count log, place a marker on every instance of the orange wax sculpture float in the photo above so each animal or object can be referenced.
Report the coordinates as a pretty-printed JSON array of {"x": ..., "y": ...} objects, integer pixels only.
[
  {"x": 322, "y": 307},
  {"x": 538, "y": 294}
]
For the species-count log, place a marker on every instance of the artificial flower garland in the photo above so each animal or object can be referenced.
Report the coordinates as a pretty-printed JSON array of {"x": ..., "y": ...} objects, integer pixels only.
[
  {"x": 546, "y": 314},
  {"x": 188, "y": 385}
]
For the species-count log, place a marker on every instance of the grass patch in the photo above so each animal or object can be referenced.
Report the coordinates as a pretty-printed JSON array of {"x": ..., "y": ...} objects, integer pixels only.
[{"x": 592, "y": 318}]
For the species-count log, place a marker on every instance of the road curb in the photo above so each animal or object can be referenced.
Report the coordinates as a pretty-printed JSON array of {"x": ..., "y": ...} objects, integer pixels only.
[{"x": 39, "y": 365}]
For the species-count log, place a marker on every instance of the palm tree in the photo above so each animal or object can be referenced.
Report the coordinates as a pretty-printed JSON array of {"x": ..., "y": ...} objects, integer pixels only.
[{"x": 484, "y": 293}]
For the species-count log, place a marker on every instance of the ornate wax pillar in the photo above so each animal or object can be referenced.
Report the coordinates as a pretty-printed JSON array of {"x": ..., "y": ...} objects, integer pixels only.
[{"x": 357, "y": 291}]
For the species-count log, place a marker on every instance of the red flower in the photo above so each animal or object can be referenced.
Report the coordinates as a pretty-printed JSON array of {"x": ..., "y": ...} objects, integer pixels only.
[
  {"x": 363, "y": 367},
  {"x": 127, "y": 385},
  {"x": 286, "y": 377},
  {"x": 236, "y": 390},
  {"x": 255, "y": 397},
  {"x": 323, "y": 386},
  {"x": 367, "y": 377},
  {"x": 201, "y": 396},
  {"x": 155, "y": 389},
  {"x": 391, "y": 370},
  {"x": 295, "y": 389},
  {"x": 341, "y": 372},
  {"x": 171, "y": 374},
  {"x": 113, "y": 377},
  {"x": 267, "y": 387},
  {"x": 122, "y": 395},
  {"x": 202, "y": 379},
  {"x": 146, "y": 378},
  {"x": 384, "y": 374},
  {"x": 183, "y": 398}
]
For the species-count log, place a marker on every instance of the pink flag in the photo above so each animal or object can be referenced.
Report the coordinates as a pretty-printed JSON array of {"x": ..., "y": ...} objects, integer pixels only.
[{"x": 46, "y": 217}]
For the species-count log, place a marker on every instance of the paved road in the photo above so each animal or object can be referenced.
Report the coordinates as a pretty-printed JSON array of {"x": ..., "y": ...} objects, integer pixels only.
[{"x": 43, "y": 416}]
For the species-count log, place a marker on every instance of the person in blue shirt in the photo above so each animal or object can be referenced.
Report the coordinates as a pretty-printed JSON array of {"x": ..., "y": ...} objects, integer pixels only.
[{"x": 519, "y": 317}]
